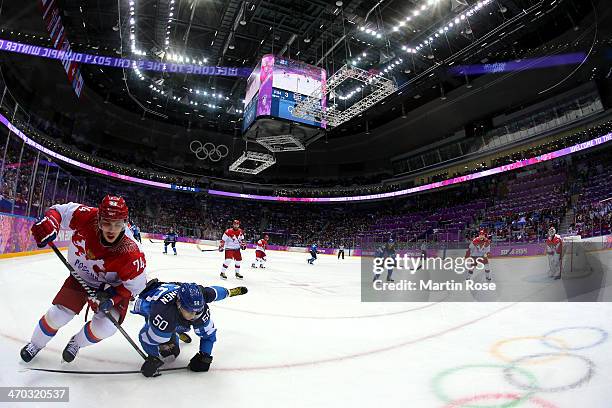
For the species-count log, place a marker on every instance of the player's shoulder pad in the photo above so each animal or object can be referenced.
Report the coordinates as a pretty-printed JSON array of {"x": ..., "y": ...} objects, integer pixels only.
[
  {"x": 131, "y": 260},
  {"x": 83, "y": 215}
]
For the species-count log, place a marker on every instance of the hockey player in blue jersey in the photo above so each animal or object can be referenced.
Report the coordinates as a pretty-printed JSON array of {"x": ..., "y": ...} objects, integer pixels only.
[
  {"x": 136, "y": 232},
  {"x": 313, "y": 253},
  {"x": 170, "y": 310},
  {"x": 170, "y": 238}
]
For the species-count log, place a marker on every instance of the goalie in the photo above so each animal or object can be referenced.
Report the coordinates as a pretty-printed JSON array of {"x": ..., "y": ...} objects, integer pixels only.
[{"x": 553, "y": 252}]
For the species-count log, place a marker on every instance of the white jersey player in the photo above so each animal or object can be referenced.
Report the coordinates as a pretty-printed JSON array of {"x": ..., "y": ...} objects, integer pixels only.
[
  {"x": 480, "y": 248},
  {"x": 232, "y": 242},
  {"x": 554, "y": 249},
  {"x": 260, "y": 252}
]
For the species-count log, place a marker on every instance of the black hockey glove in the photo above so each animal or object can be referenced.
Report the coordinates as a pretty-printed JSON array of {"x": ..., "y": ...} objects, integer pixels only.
[
  {"x": 169, "y": 348},
  {"x": 150, "y": 366},
  {"x": 104, "y": 299},
  {"x": 241, "y": 290},
  {"x": 200, "y": 362}
]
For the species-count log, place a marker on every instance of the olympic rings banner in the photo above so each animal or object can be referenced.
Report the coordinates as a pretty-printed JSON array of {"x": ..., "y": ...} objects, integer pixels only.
[
  {"x": 208, "y": 150},
  {"x": 105, "y": 61}
]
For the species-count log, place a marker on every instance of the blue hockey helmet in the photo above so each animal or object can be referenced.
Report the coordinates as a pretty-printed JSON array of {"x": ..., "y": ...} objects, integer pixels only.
[{"x": 191, "y": 298}]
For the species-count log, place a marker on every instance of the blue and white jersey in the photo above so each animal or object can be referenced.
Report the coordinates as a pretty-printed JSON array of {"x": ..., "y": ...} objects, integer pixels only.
[
  {"x": 313, "y": 248},
  {"x": 164, "y": 320},
  {"x": 170, "y": 237},
  {"x": 135, "y": 230}
]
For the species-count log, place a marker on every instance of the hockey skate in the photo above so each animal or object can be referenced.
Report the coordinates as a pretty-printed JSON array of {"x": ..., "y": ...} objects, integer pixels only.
[
  {"x": 253, "y": 265},
  {"x": 239, "y": 276},
  {"x": 71, "y": 350},
  {"x": 29, "y": 351},
  {"x": 223, "y": 275}
]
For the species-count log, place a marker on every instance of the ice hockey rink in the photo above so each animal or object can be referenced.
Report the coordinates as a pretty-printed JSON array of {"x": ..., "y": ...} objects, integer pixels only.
[{"x": 301, "y": 337}]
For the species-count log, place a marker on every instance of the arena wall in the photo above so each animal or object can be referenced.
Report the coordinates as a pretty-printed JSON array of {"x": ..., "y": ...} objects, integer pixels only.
[{"x": 16, "y": 239}]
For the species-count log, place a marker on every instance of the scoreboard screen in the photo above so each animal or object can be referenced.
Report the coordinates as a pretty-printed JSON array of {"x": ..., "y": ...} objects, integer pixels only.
[{"x": 277, "y": 85}]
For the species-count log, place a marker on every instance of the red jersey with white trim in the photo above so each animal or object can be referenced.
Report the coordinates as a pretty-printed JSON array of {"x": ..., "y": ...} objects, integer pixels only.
[
  {"x": 121, "y": 265},
  {"x": 262, "y": 244},
  {"x": 553, "y": 245},
  {"x": 232, "y": 238},
  {"x": 479, "y": 247}
]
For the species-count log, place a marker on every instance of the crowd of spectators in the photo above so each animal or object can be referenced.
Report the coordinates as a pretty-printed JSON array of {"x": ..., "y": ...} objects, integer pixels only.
[
  {"x": 519, "y": 206},
  {"x": 133, "y": 164},
  {"x": 592, "y": 211}
]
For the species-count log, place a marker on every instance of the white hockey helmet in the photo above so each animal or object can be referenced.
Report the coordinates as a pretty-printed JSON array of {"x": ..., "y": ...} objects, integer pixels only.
[{"x": 552, "y": 231}]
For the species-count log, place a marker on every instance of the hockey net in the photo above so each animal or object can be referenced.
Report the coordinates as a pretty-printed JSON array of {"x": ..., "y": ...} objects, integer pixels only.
[{"x": 575, "y": 257}]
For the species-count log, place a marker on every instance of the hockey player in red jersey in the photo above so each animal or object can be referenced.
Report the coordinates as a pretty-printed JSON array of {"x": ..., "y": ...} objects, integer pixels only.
[
  {"x": 480, "y": 248},
  {"x": 554, "y": 249},
  {"x": 260, "y": 252},
  {"x": 232, "y": 242},
  {"x": 104, "y": 253}
]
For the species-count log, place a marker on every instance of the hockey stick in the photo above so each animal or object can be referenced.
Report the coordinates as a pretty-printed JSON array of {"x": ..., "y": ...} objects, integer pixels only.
[
  {"x": 49, "y": 370},
  {"x": 154, "y": 242},
  {"x": 92, "y": 295},
  {"x": 206, "y": 250}
]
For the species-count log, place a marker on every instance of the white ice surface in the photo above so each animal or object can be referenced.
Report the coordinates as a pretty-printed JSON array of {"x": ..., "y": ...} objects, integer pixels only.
[{"x": 301, "y": 337}]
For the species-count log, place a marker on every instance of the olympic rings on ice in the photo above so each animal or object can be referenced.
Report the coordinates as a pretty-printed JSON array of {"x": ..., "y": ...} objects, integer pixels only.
[
  {"x": 496, "y": 350},
  {"x": 515, "y": 368},
  {"x": 208, "y": 150},
  {"x": 603, "y": 337},
  {"x": 590, "y": 371},
  {"x": 439, "y": 391}
]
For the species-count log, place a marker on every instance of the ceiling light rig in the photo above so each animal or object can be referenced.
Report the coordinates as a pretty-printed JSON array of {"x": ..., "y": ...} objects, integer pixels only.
[
  {"x": 387, "y": 70},
  {"x": 360, "y": 58},
  {"x": 450, "y": 25},
  {"x": 170, "y": 15},
  {"x": 185, "y": 59},
  {"x": 208, "y": 96},
  {"x": 430, "y": 4},
  {"x": 374, "y": 33},
  {"x": 132, "y": 21}
]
